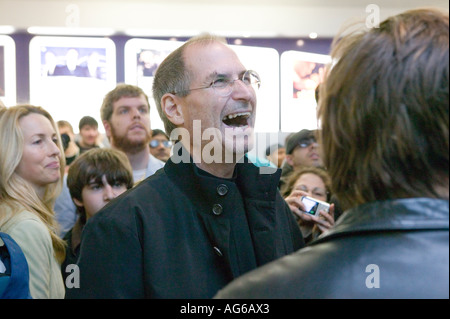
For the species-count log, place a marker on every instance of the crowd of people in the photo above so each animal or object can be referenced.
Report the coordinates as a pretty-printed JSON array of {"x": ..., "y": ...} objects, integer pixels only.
[{"x": 154, "y": 213}]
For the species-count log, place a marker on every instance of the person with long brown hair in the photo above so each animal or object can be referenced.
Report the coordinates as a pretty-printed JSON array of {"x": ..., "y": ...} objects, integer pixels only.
[
  {"x": 31, "y": 170},
  {"x": 384, "y": 114}
]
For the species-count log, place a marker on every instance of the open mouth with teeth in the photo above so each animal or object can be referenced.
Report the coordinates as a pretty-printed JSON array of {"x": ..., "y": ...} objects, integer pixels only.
[{"x": 237, "y": 119}]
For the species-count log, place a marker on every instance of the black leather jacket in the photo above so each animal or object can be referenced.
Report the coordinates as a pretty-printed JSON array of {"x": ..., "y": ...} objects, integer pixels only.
[{"x": 386, "y": 249}]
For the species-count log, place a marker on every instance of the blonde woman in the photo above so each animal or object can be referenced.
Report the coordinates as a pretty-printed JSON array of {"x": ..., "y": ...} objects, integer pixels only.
[{"x": 31, "y": 167}]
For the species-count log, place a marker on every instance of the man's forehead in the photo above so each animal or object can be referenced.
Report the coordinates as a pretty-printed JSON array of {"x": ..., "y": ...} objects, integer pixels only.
[
  {"x": 211, "y": 59},
  {"x": 159, "y": 137},
  {"x": 89, "y": 127},
  {"x": 130, "y": 101}
]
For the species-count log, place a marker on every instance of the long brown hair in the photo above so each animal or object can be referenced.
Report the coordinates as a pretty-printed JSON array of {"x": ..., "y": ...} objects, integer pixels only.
[
  {"x": 14, "y": 191},
  {"x": 384, "y": 110}
]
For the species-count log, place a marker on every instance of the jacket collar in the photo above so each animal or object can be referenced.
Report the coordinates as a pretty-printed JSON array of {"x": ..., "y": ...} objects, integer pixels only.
[
  {"x": 248, "y": 177},
  {"x": 398, "y": 214}
]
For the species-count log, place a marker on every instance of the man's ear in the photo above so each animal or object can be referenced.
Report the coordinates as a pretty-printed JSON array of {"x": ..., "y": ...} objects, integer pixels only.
[
  {"x": 172, "y": 109},
  {"x": 107, "y": 127},
  {"x": 289, "y": 159}
]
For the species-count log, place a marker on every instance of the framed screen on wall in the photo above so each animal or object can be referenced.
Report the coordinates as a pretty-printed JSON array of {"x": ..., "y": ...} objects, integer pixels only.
[
  {"x": 69, "y": 76},
  {"x": 301, "y": 73},
  {"x": 142, "y": 57},
  {"x": 7, "y": 70}
]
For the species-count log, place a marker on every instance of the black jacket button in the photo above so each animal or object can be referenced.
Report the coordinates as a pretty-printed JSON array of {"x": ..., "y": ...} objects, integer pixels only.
[
  {"x": 222, "y": 189},
  {"x": 217, "y": 209}
]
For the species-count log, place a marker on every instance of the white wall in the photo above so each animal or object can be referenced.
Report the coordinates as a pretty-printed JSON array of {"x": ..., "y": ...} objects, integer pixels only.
[{"x": 267, "y": 18}]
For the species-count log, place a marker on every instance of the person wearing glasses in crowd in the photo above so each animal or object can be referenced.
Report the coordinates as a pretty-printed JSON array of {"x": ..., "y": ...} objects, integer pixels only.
[
  {"x": 125, "y": 114},
  {"x": 313, "y": 182},
  {"x": 209, "y": 216},
  {"x": 160, "y": 145},
  {"x": 302, "y": 150},
  {"x": 385, "y": 133}
]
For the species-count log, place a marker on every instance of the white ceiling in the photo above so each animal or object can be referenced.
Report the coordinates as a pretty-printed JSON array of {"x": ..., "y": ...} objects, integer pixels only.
[
  {"x": 304, "y": 3},
  {"x": 257, "y": 18}
]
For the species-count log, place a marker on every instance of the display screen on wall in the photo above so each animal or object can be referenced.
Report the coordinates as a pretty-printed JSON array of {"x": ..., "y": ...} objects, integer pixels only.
[
  {"x": 301, "y": 73},
  {"x": 7, "y": 70},
  {"x": 265, "y": 61},
  {"x": 69, "y": 77},
  {"x": 143, "y": 56}
]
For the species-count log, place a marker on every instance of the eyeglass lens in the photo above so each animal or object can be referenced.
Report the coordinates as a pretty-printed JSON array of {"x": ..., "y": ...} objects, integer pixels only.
[
  {"x": 249, "y": 78},
  {"x": 155, "y": 143},
  {"x": 307, "y": 142}
]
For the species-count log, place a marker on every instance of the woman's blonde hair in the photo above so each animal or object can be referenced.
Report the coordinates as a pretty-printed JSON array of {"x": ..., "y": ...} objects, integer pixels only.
[{"x": 14, "y": 190}]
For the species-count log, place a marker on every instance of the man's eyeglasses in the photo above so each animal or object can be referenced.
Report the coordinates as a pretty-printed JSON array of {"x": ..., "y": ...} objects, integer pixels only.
[
  {"x": 223, "y": 86},
  {"x": 155, "y": 143},
  {"x": 307, "y": 142}
]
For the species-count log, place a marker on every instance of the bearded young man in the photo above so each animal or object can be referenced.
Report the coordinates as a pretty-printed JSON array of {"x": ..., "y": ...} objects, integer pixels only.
[{"x": 126, "y": 117}]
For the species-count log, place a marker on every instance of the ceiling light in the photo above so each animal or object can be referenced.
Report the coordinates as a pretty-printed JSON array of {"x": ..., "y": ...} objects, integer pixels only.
[
  {"x": 160, "y": 33},
  {"x": 313, "y": 35},
  {"x": 6, "y": 29}
]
